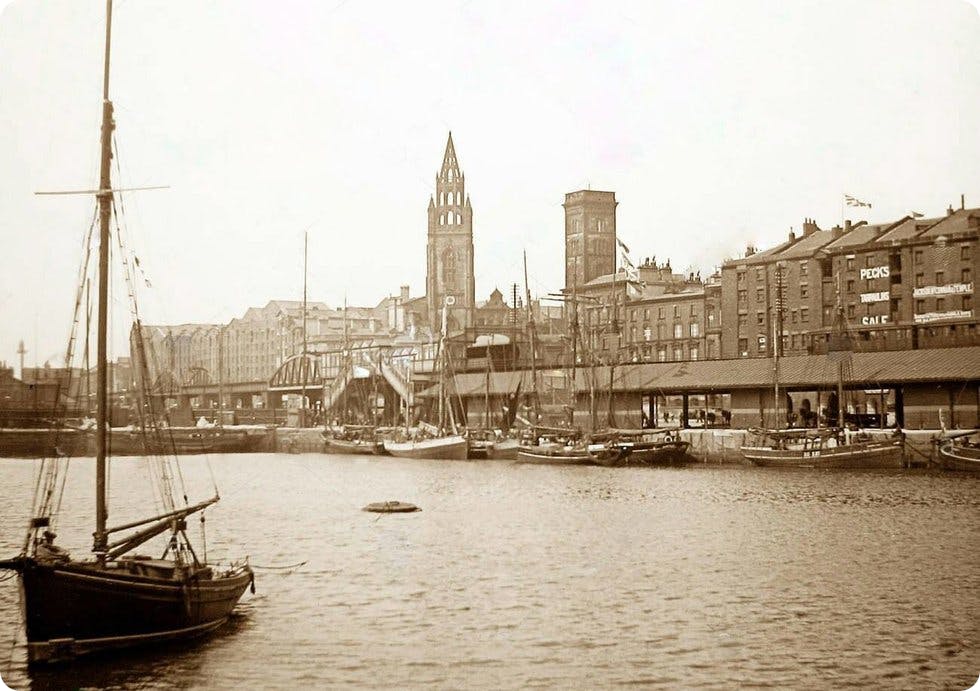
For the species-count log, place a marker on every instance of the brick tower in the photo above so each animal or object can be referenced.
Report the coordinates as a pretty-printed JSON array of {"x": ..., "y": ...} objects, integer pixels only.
[
  {"x": 449, "y": 252},
  {"x": 590, "y": 236}
]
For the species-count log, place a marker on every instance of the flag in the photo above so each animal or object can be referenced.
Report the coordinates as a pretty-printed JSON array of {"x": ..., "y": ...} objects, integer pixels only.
[
  {"x": 623, "y": 245},
  {"x": 854, "y": 201},
  {"x": 915, "y": 214}
]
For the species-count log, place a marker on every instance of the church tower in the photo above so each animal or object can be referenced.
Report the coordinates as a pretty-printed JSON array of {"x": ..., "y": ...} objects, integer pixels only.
[{"x": 449, "y": 270}]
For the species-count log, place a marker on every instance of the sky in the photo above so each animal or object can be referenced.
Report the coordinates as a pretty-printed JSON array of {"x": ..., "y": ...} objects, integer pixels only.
[{"x": 717, "y": 124}]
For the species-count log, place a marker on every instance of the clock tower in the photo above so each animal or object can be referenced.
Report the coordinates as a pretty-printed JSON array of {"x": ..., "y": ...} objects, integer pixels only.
[{"x": 449, "y": 276}]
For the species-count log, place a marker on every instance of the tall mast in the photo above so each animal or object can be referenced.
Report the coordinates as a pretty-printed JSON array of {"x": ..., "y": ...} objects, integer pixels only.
[
  {"x": 530, "y": 329},
  {"x": 302, "y": 362},
  {"x": 100, "y": 542},
  {"x": 348, "y": 365}
]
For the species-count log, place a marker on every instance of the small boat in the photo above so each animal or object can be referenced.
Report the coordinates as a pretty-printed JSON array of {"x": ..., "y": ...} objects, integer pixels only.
[
  {"x": 450, "y": 448},
  {"x": 556, "y": 453},
  {"x": 826, "y": 448},
  {"x": 960, "y": 453},
  {"x": 668, "y": 450},
  {"x": 352, "y": 439}
]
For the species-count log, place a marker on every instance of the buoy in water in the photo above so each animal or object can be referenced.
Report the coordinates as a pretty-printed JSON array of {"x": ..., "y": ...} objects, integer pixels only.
[{"x": 391, "y": 507}]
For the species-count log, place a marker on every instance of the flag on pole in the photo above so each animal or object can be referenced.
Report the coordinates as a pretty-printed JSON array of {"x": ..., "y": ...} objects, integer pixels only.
[
  {"x": 854, "y": 201},
  {"x": 623, "y": 245}
]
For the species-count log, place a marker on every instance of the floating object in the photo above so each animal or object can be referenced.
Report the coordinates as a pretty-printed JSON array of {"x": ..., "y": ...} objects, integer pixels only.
[{"x": 391, "y": 507}]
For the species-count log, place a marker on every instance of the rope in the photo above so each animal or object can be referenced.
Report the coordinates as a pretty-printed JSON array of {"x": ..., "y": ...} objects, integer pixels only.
[{"x": 279, "y": 568}]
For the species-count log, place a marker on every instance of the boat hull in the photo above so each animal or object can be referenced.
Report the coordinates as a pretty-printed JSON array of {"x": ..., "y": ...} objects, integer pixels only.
[
  {"x": 657, "y": 453},
  {"x": 505, "y": 449},
  {"x": 351, "y": 447},
  {"x": 454, "y": 448},
  {"x": 558, "y": 455},
  {"x": 74, "y": 609},
  {"x": 958, "y": 457},
  {"x": 182, "y": 441},
  {"x": 858, "y": 455}
]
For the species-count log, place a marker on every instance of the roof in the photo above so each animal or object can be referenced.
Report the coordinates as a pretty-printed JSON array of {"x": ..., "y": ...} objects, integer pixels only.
[
  {"x": 907, "y": 366},
  {"x": 760, "y": 257},
  {"x": 807, "y": 245},
  {"x": 960, "y": 222},
  {"x": 860, "y": 236}
]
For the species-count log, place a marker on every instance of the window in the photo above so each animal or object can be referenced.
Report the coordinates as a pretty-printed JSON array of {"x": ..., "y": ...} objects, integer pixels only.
[
  {"x": 850, "y": 285},
  {"x": 965, "y": 252},
  {"x": 740, "y": 278},
  {"x": 694, "y": 352},
  {"x": 804, "y": 290},
  {"x": 743, "y": 347},
  {"x": 868, "y": 260},
  {"x": 760, "y": 318},
  {"x": 678, "y": 330},
  {"x": 804, "y": 315},
  {"x": 677, "y": 311},
  {"x": 741, "y": 296},
  {"x": 850, "y": 310},
  {"x": 940, "y": 304},
  {"x": 917, "y": 257},
  {"x": 694, "y": 310},
  {"x": 661, "y": 331},
  {"x": 660, "y": 313},
  {"x": 743, "y": 321},
  {"x": 920, "y": 280},
  {"x": 762, "y": 344},
  {"x": 793, "y": 316},
  {"x": 646, "y": 314},
  {"x": 759, "y": 275},
  {"x": 920, "y": 306},
  {"x": 940, "y": 278},
  {"x": 850, "y": 263},
  {"x": 647, "y": 332},
  {"x": 803, "y": 268},
  {"x": 965, "y": 276},
  {"x": 678, "y": 353},
  {"x": 759, "y": 295},
  {"x": 695, "y": 330},
  {"x": 662, "y": 354},
  {"x": 967, "y": 302}
]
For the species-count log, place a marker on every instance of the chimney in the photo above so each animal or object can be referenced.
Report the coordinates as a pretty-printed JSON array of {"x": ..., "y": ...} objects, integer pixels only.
[
  {"x": 404, "y": 293},
  {"x": 962, "y": 202},
  {"x": 809, "y": 227},
  {"x": 949, "y": 211},
  {"x": 836, "y": 232},
  {"x": 792, "y": 235},
  {"x": 847, "y": 226}
]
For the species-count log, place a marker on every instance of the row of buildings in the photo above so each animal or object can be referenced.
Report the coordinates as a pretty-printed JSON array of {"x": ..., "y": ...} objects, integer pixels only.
[{"x": 905, "y": 285}]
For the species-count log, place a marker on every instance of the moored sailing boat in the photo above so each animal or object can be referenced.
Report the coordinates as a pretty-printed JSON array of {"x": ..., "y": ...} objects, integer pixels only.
[
  {"x": 442, "y": 442},
  {"x": 833, "y": 447},
  {"x": 116, "y": 599}
]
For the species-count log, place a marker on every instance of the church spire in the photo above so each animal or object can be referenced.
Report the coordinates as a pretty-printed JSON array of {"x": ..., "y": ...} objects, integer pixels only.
[{"x": 450, "y": 165}]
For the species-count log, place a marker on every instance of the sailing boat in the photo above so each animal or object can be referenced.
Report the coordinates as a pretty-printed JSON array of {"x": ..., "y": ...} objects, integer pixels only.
[
  {"x": 430, "y": 441},
  {"x": 833, "y": 447},
  {"x": 563, "y": 445},
  {"x": 116, "y": 599}
]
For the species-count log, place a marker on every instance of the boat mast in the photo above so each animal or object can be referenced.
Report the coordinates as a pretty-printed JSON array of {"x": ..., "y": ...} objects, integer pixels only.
[
  {"x": 302, "y": 363},
  {"x": 348, "y": 360},
  {"x": 100, "y": 542},
  {"x": 530, "y": 330}
]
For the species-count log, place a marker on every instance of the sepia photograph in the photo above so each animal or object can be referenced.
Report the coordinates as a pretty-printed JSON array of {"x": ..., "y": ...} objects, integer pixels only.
[{"x": 489, "y": 345}]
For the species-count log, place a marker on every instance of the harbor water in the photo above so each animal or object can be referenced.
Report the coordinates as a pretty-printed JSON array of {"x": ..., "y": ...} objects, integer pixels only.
[{"x": 519, "y": 575}]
